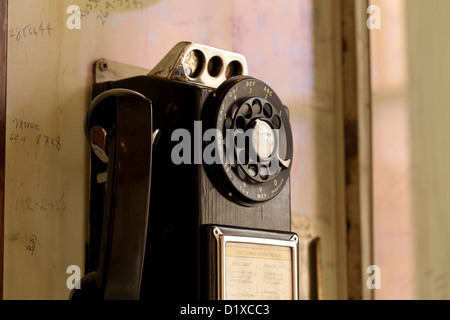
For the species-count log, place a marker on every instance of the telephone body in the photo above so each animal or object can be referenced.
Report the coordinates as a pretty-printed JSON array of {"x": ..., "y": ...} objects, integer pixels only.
[{"x": 152, "y": 221}]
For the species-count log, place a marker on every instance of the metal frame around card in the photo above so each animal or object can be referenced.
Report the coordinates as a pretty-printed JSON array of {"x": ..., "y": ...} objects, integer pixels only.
[{"x": 223, "y": 239}]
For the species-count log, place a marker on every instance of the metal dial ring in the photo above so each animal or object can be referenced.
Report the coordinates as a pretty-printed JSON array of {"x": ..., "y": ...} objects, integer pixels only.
[{"x": 258, "y": 172}]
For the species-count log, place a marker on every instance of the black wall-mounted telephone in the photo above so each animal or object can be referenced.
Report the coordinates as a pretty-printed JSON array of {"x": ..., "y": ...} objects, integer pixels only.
[{"x": 214, "y": 198}]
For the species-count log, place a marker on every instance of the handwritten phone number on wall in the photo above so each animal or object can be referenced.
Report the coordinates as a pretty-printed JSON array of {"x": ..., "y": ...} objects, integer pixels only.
[
  {"x": 30, "y": 204},
  {"x": 111, "y": 4},
  {"x": 30, "y": 30},
  {"x": 37, "y": 139},
  {"x": 107, "y": 7}
]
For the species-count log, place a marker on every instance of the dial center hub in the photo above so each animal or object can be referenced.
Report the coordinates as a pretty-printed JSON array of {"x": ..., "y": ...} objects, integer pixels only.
[{"x": 263, "y": 139}]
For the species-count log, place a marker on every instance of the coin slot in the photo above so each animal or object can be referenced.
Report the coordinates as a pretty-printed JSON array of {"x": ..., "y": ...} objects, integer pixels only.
[
  {"x": 234, "y": 68},
  {"x": 194, "y": 63},
  {"x": 215, "y": 66}
]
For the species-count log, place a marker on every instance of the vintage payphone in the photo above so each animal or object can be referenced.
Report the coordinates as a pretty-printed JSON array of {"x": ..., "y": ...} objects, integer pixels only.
[{"x": 190, "y": 194}]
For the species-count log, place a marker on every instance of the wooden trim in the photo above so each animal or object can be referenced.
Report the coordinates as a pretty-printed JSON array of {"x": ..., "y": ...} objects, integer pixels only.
[
  {"x": 341, "y": 216},
  {"x": 365, "y": 141},
  {"x": 3, "y": 78},
  {"x": 358, "y": 145}
]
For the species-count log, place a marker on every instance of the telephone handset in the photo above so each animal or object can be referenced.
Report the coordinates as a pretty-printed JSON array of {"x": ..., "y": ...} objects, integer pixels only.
[
  {"x": 124, "y": 151},
  {"x": 156, "y": 243}
]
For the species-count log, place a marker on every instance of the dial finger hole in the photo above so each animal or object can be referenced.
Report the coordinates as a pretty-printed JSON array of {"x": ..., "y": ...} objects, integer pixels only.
[
  {"x": 257, "y": 108},
  {"x": 242, "y": 157},
  {"x": 241, "y": 173},
  {"x": 273, "y": 167},
  {"x": 246, "y": 111},
  {"x": 234, "y": 109},
  {"x": 276, "y": 121},
  {"x": 229, "y": 123},
  {"x": 268, "y": 110},
  {"x": 264, "y": 173},
  {"x": 252, "y": 170},
  {"x": 240, "y": 123}
]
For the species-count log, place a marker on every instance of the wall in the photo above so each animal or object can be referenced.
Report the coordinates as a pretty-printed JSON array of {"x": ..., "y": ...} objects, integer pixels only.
[
  {"x": 393, "y": 237},
  {"x": 428, "y": 95}
]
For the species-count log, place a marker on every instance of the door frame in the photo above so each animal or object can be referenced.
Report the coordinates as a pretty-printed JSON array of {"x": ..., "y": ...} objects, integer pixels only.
[
  {"x": 353, "y": 68},
  {"x": 3, "y": 87}
]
